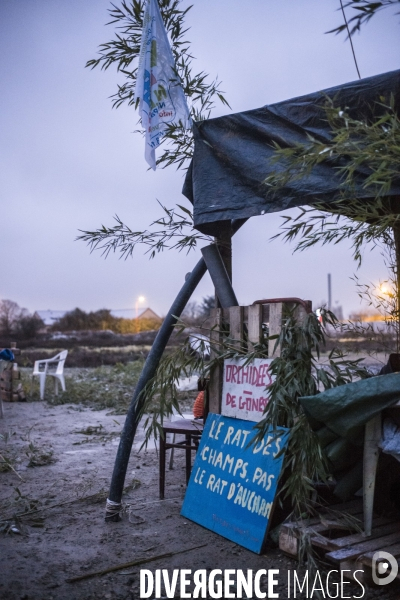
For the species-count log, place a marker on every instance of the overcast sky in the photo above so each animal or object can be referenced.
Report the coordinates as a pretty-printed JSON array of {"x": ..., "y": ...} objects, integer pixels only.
[{"x": 69, "y": 161}]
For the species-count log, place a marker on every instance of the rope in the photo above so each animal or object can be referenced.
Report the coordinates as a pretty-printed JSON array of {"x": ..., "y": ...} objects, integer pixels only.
[{"x": 113, "y": 509}]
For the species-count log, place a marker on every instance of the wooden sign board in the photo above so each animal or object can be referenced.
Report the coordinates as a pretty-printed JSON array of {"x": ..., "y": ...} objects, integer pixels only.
[
  {"x": 244, "y": 393},
  {"x": 233, "y": 485}
]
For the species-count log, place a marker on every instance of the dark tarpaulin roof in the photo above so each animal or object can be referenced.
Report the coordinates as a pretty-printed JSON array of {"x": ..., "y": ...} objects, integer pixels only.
[{"x": 232, "y": 153}]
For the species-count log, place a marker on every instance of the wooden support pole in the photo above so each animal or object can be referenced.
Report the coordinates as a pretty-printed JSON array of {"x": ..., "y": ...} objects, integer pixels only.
[
  {"x": 215, "y": 387},
  {"x": 224, "y": 243}
]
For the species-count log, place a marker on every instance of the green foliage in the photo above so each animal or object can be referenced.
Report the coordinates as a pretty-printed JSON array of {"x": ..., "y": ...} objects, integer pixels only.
[
  {"x": 7, "y": 456},
  {"x": 298, "y": 373},
  {"x": 78, "y": 319},
  {"x": 369, "y": 147},
  {"x": 99, "y": 320},
  {"x": 103, "y": 387},
  {"x": 28, "y": 327},
  {"x": 344, "y": 221},
  {"x": 39, "y": 455},
  {"x": 123, "y": 52},
  {"x": 365, "y": 10},
  {"x": 177, "y": 233}
]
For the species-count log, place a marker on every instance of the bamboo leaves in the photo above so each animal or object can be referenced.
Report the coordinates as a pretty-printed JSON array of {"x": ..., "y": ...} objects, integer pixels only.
[
  {"x": 365, "y": 10},
  {"x": 297, "y": 371},
  {"x": 124, "y": 49},
  {"x": 176, "y": 233}
]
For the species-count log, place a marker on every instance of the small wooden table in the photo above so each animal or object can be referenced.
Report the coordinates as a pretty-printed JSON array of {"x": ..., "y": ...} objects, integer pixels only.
[{"x": 192, "y": 430}]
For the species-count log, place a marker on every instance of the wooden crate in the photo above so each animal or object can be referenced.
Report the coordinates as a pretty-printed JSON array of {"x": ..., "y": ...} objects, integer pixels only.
[
  {"x": 357, "y": 551},
  {"x": 9, "y": 376},
  {"x": 344, "y": 546},
  {"x": 246, "y": 326},
  {"x": 6, "y": 383}
]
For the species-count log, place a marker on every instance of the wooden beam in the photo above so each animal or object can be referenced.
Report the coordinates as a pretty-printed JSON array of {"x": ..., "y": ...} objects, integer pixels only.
[
  {"x": 224, "y": 243},
  {"x": 215, "y": 387}
]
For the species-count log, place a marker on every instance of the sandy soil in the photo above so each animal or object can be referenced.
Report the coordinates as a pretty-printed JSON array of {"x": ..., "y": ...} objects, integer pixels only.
[{"x": 60, "y": 542}]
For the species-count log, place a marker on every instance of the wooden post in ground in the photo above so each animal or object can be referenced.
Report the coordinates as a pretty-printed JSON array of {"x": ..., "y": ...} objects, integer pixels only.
[
  {"x": 224, "y": 243},
  {"x": 215, "y": 387}
]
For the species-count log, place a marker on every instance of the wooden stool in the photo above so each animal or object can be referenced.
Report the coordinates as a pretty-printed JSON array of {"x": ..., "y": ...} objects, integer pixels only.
[{"x": 192, "y": 431}]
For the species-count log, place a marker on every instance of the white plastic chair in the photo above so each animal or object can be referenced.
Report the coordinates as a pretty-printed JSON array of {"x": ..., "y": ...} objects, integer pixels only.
[{"x": 45, "y": 367}]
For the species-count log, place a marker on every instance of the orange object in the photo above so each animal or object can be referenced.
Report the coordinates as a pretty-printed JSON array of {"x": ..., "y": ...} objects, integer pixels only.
[{"x": 198, "y": 408}]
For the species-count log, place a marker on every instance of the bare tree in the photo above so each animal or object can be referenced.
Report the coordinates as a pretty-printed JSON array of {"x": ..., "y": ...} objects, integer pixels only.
[{"x": 10, "y": 312}]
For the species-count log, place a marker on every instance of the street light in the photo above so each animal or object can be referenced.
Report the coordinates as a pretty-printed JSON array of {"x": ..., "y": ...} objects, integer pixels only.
[
  {"x": 139, "y": 300},
  {"x": 384, "y": 289}
]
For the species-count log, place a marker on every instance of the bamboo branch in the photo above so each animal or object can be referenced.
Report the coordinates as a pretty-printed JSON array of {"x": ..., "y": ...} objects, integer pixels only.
[
  {"x": 37, "y": 510},
  {"x": 133, "y": 563},
  {"x": 11, "y": 467}
]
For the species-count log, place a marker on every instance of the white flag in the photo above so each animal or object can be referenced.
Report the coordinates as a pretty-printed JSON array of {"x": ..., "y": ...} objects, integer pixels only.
[{"x": 162, "y": 99}]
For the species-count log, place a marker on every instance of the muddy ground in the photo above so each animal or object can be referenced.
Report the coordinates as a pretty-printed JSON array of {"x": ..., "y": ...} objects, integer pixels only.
[{"x": 65, "y": 534}]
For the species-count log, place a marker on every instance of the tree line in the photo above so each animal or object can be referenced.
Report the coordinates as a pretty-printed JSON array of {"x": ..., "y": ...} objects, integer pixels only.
[{"x": 18, "y": 323}]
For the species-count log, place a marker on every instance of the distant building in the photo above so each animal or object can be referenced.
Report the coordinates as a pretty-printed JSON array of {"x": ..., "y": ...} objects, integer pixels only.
[
  {"x": 130, "y": 313},
  {"x": 49, "y": 317}
]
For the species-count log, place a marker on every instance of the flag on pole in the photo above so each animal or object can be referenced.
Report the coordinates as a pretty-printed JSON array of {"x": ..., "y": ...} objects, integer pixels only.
[{"x": 162, "y": 100}]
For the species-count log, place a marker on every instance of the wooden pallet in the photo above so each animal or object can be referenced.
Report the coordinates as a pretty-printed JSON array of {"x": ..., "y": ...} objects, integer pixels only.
[
  {"x": 8, "y": 382},
  {"x": 9, "y": 376},
  {"x": 344, "y": 544}
]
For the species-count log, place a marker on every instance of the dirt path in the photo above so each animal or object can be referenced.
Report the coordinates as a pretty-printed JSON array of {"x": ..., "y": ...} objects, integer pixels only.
[{"x": 61, "y": 542}]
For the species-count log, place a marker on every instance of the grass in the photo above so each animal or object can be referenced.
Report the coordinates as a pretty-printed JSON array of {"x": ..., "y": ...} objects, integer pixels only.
[
  {"x": 39, "y": 455},
  {"x": 98, "y": 388},
  {"x": 7, "y": 454},
  {"x": 105, "y": 387}
]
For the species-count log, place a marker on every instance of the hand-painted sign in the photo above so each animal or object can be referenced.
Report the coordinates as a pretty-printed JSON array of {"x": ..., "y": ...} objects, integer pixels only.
[
  {"x": 233, "y": 484},
  {"x": 244, "y": 393}
]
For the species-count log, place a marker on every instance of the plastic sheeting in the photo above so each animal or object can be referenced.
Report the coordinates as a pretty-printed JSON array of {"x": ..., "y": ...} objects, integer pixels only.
[
  {"x": 345, "y": 409},
  {"x": 232, "y": 154},
  {"x": 338, "y": 416}
]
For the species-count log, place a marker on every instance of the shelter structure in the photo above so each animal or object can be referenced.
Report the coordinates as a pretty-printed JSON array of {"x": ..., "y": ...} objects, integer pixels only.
[
  {"x": 232, "y": 154},
  {"x": 225, "y": 183}
]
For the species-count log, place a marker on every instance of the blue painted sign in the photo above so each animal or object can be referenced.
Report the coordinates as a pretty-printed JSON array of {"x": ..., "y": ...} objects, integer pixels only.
[{"x": 233, "y": 485}]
